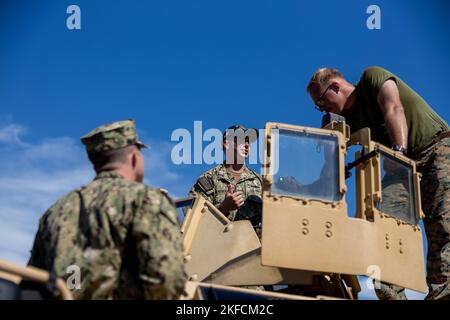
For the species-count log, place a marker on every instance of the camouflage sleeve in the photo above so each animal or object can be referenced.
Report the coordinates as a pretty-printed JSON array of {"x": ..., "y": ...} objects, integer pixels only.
[
  {"x": 37, "y": 252},
  {"x": 159, "y": 247}
]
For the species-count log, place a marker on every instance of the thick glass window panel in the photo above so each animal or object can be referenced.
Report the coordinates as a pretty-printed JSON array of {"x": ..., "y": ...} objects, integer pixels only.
[
  {"x": 397, "y": 196},
  {"x": 307, "y": 166}
]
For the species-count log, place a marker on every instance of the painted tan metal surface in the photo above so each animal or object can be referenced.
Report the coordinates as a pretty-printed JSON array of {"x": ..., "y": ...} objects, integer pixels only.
[
  {"x": 10, "y": 277},
  {"x": 16, "y": 273},
  {"x": 211, "y": 240},
  {"x": 229, "y": 253},
  {"x": 193, "y": 292},
  {"x": 248, "y": 270},
  {"x": 332, "y": 242}
]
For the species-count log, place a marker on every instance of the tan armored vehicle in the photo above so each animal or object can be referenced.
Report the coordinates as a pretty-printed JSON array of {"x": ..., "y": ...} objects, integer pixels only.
[
  {"x": 309, "y": 242},
  {"x": 309, "y": 246}
]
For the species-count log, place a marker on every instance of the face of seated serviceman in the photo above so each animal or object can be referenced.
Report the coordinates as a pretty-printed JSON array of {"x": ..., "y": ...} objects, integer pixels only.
[{"x": 232, "y": 186}]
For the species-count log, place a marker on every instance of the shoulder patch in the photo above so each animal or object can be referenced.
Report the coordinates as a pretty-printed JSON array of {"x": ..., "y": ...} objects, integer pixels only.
[{"x": 205, "y": 183}]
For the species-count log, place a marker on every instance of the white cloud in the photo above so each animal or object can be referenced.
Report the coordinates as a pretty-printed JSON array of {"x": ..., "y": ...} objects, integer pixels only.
[
  {"x": 32, "y": 177},
  {"x": 11, "y": 133}
]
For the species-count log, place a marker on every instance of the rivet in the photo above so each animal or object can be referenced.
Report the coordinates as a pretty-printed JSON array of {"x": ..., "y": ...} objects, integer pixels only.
[
  {"x": 387, "y": 236},
  {"x": 187, "y": 258},
  {"x": 194, "y": 277},
  {"x": 400, "y": 242},
  {"x": 304, "y": 202},
  {"x": 228, "y": 227},
  {"x": 328, "y": 224},
  {"x": 328, "y": 234},
  {"x": 305, "y": 222},
  {"x": 387, "y": 245},
  {"x": 305, "y": 231},
  {"x": 401, "y": 251}
]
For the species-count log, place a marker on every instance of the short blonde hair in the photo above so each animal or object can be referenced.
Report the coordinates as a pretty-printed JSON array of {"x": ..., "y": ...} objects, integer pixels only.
[{"x": 321, "y": 77}]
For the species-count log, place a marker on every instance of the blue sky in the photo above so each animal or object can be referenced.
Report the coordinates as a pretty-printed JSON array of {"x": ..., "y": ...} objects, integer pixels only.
[{"x": 169, "y": 63}]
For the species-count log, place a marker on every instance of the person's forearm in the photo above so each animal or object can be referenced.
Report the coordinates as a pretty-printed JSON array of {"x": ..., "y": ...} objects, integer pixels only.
[{"x": 396, "y": 126}]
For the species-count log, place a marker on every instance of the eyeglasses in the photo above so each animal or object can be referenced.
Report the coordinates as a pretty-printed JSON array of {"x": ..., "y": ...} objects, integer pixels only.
[{"x": 319, "y": 102}]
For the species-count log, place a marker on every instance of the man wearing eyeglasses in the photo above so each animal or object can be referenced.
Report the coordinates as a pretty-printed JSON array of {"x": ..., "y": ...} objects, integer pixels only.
[{"x": 398, "y": 117}]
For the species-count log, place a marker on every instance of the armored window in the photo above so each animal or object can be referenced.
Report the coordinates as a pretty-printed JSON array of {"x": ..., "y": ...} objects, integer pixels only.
[
  {"x": 398, "y": 194},
  {"x": 306, "y": 165}
]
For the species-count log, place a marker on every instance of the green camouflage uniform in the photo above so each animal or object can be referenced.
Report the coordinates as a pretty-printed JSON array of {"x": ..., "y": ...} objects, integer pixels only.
[
  {"x": 434, "y": 165},
  {"x": 213, "y": 186},
  {"x": 124, "y": 236}
]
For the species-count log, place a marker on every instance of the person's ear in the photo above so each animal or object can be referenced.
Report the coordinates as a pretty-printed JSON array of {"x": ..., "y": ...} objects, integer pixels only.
[
  {"x": 225, "y": 144},
  {"x": 134, "y": 159}
]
